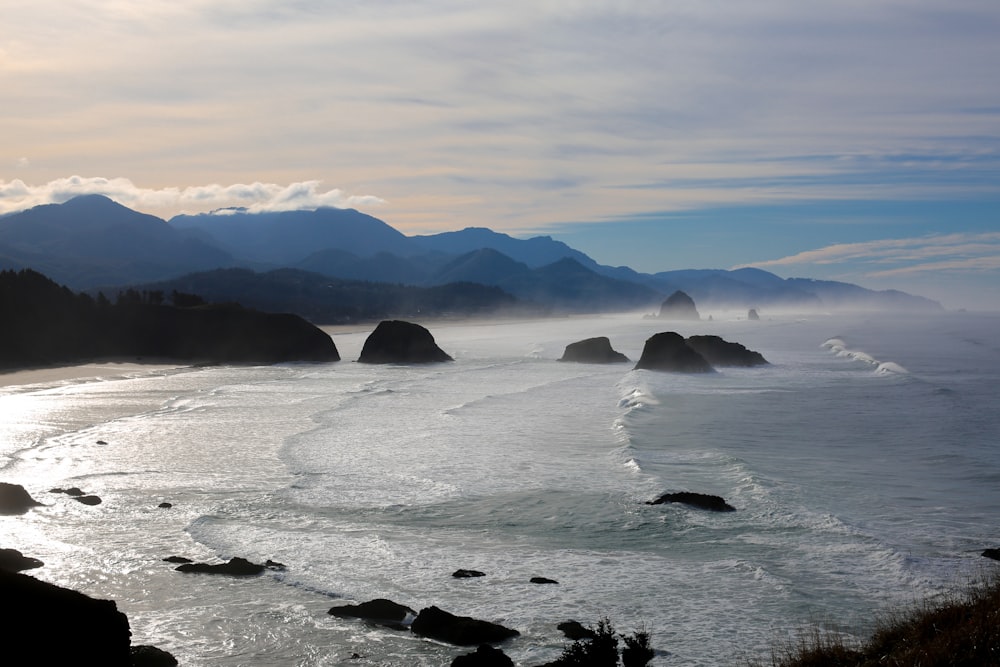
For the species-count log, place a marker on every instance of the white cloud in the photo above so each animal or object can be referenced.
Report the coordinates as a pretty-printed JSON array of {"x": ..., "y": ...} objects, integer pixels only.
[{"x": 16, "y": 195}]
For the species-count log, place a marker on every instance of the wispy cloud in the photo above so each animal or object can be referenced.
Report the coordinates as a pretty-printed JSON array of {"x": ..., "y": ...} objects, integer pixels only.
[
  {"x": 966, "y": 252},
  {"x": 17, "y": 195}
]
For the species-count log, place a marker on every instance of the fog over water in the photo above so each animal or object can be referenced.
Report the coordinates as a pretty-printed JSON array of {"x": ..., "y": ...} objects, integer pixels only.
[{"x": 863, "y": 464}]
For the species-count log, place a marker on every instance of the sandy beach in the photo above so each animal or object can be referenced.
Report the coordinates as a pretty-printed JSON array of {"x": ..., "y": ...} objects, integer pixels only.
[{"x": 82, "y": 372}]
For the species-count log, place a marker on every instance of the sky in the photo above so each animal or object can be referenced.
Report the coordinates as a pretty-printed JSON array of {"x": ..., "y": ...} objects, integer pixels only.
[{"x": 856, "y": 140}]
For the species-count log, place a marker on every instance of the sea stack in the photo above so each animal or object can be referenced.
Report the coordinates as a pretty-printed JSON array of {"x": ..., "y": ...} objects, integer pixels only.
[
  {"x": 668, "y": 351},
  {"x": 679, "y": 306},
  {"x": 593, "y": 351},
  {"x": 398, "y": 342}
]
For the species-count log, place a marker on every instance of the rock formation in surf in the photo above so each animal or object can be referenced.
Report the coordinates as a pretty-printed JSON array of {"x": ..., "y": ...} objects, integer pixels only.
[
  {"x": 668, "y": 351},
  {"x": 398, "y": 342},
  {"x": 593, "y": 351},
  {"x": 235, "y": 567},
  {"x": 679, "y": 306},
  {"x": 435, "y": 623},
  {"x": 700, "y": 500},
  {"x": 719, "y": 352},
  {"x": 380, "y": 611}
]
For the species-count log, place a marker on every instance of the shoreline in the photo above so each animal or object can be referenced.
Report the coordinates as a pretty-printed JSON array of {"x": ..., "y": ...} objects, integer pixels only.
[{"x": 94, "y": 369}]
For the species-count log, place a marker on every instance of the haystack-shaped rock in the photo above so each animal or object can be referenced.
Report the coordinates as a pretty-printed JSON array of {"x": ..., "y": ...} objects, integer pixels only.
[
  {"x": 719, "y": 352},
  {"x": 398, "y": 342},
  {"x": 668, "y": 351},
  {"x": 752, "y": 315},
  {"x": 679, "y": 306},
  {"x": 593, "y": 351}
]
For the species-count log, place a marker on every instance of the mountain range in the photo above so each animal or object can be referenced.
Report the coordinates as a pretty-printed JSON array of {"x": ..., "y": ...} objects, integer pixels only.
[{"x": 91, "y": 242}]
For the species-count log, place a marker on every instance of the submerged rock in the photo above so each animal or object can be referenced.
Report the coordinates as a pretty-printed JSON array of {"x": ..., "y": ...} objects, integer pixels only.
[
  {"x": 14, "y": 499},
  {"x": 593, "y": 351},
  {"x": 484, "y": 656},
  {"x": 679, "y": 306},
  {"x": 700, "y": 500},
  {"x": 719, "y": 352},
  {"x": 437, "y": 624},
  {"x": 668, "y": 351},
  {"x": 467, "y": 574},
  {"x": 542, "y": 580},
  {"x": 398, "y": 342}
]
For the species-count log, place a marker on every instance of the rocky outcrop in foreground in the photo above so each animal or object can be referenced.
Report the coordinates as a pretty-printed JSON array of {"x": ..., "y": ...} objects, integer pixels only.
[
  {"x": 399, "y": 342},
  {"x": 668, "y": 351},
  {"x": 45, "y": 624},
  {"x": 593, "y": 351},
  {"x": 14, "y": 499}
]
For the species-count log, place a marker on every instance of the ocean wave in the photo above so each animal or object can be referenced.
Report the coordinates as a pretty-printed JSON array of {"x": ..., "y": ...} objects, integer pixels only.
[{"x": 840, "y": 348}]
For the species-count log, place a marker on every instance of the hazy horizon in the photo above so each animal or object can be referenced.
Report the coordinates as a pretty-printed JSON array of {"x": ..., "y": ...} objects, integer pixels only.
[{"x": 854, "y": 142}]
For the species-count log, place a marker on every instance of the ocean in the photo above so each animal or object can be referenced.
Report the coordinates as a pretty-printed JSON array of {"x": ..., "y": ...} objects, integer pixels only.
[{"x": 863, "y": 463}]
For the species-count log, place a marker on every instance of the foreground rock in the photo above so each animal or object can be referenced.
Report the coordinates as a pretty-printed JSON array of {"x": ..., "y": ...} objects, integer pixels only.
[
  {"x": 44, "y": 624},
  {"x": 679, "y": 306},
  {"x": 593, "y": 351},
  {"x": 398, "y": 342},
  {"x": 437, "y": 624},
  {"x": 14, "y": 499},
  {"x": 719, "y": 352},
  {"x": 484, "y": 656},
  {"x": 150, "y": 656},
  {"x": 236, "y": 567},
  {"x": 668, "y": 351},
  {"x": 380, "y": 611},
  {"x": 12, "y": 560},
  {"x": 700, "y": 500}
]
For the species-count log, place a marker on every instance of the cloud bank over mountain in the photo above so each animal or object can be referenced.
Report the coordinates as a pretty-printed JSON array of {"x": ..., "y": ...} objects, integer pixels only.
[{"x": 255, "y": 197}]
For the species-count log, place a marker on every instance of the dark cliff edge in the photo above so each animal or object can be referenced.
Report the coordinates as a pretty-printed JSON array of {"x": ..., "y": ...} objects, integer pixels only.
[{"x": 45, "y": 324}]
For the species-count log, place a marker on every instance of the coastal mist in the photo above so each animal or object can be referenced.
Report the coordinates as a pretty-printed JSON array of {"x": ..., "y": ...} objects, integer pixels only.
[{"x": 862, "y": 462}]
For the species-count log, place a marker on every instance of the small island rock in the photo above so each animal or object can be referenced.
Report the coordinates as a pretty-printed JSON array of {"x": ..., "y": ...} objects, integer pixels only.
[
  {"x": 668, "y": 351},
  {"x": 398, "y": 342},
  {"x": 752, "y": 315},
  {"x": 679, "y": 306},
  {"x": 593, "y": 351}
]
